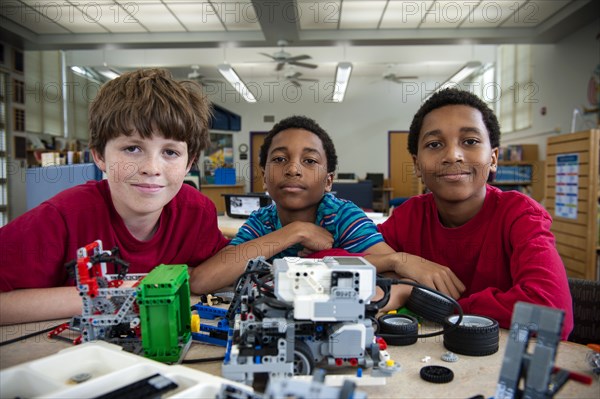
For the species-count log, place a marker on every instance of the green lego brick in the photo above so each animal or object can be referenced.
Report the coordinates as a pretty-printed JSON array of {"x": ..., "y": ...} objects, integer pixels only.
[
  {"x": 164, "y": 280},
  {"x": 165, "y": 312}
]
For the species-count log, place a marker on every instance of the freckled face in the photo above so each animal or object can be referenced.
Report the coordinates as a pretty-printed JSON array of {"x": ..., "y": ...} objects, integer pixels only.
[
  {"x": 454, "y": 155},
  {"x": 296, "y": 170},
  {"x": 143, "y": 174}
]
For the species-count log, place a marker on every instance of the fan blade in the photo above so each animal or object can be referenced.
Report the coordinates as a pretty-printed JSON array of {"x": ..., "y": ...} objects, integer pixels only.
[
  {"x": 303, "y": 64},
  {"x": 295, "y": 82},
  {"x": 279, "y": 66},
  {"x": 307, "y": 80},
  {"x": 297, "y": 58},
  {"x": 399, "y": 79},
  {"x": 268, "y": 55},
  {"x": 295, "y": 75}
]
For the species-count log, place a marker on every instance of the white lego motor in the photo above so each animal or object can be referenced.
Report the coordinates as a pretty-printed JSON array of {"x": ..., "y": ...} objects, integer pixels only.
[{"x": 328, "y": 289}]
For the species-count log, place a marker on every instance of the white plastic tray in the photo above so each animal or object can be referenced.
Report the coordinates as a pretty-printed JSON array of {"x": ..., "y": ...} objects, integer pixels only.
[{"x": 109, "y": 367}]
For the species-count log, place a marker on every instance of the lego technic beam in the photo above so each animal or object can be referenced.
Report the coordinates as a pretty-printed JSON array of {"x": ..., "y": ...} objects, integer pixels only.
[{"x": 534, "y": 372}]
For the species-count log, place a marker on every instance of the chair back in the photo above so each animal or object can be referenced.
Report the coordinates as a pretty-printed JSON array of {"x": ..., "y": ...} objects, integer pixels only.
[{"x": 586, "y": 311}]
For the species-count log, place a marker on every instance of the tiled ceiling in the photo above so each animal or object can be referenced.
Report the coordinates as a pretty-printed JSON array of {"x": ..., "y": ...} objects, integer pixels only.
[{"x": 415, "y": 37}]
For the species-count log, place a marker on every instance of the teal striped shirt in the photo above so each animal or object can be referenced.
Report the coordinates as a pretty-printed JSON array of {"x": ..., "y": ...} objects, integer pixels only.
[{"x": 352, "y": 230}]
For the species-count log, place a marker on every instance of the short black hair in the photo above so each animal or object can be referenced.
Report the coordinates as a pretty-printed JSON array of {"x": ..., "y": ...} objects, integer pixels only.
[
  {"x": 305, "y": 123},
  {"x": 453, "y": 96}
]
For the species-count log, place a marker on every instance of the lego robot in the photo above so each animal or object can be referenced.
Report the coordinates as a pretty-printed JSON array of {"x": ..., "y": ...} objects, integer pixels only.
[
  {"x": 288, "y": 317},
  {"x": 151, "y": 318}
]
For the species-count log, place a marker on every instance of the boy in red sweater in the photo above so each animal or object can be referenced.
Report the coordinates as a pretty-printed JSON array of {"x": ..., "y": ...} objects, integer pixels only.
[
  {"x": 146, "y": 131},
  {"x": 487, "y": 248}
]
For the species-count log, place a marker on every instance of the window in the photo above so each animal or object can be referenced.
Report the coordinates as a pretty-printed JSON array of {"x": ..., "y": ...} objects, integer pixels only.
[
  {"x": 517, "y": 91},
  {"x": 18, "y": 91},
  {"x": 484, "y": 86},
  {"x": 18, "y": 61},
  {"x": 19, "y": 120}
]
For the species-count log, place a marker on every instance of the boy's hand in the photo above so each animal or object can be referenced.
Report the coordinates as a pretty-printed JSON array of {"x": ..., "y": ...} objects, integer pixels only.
[
  {"x": 430, "y": 274},
  {"x": 312, "y": 237},
  {"x": 398, "y": 296}
]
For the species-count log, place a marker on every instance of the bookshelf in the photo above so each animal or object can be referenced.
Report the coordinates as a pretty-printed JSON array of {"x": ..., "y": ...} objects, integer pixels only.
[
  {"x": 573, "y": 203},
  {"x": 520, "y": 169}
]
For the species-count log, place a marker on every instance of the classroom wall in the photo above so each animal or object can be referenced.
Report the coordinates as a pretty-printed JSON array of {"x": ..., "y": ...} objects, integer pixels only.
[
  {"x": 359, "y": 126},
  {"x": 561, "y": 72}
]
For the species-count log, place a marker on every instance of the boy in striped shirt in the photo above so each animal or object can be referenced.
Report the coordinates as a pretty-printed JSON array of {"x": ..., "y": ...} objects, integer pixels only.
[{"x": 298, "y": 160}]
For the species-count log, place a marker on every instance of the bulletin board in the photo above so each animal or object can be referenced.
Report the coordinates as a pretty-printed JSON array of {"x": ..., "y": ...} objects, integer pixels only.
[
  {"x": 219, "y": 154},
  {"x": 572, "y": 167}
]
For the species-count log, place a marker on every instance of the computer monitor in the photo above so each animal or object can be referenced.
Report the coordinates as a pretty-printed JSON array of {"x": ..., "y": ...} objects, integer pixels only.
[
  {"x": 376, "y": 178},
  {"x": 346, "y": 176}
]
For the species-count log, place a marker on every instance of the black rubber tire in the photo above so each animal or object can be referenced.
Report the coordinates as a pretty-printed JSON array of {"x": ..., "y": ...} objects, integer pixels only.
[
  {"x": 437, "y": 374},
  {"x": 398, "y": 329},
  {"x": 475, "y": 336},
  {"x": 304, "y": 364},
  {"x": 429, "y": 305}
]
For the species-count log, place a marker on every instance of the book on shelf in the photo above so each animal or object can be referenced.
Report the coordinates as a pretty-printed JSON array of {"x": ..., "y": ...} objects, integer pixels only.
[{"x": 514, "y": 173}]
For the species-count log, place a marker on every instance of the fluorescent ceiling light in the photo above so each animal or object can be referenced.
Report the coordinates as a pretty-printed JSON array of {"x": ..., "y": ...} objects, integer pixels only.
[
  {"x": 342, "y": 76},
  {"x": 86, "y": 73},
  {"x": 78, "y": 70},
  {"x": 229, "y": 73},
  {"x": 109, "y": 73},
  {"x": 458, "y": 77}
]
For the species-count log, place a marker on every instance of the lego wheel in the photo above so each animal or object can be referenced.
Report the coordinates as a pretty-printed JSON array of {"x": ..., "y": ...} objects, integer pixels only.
[
  {"x": 436, "y": 374},
  {"x": 429, "y": 305},
  {"x": 398, "y": 329},
  {"x": 474, "y": 336},
  {"x": 303, "y": 359}
]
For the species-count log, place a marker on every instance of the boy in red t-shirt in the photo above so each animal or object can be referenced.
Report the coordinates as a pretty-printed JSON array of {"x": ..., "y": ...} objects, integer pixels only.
[
  {"x": 487, "y": 248},
  {"x": 146, "y": 131}
]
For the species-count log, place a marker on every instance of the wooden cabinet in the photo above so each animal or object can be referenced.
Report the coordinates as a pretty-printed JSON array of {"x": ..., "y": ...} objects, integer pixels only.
[
  {"x": 572, "y": 199},
  {"x": 215, "y": 193}
]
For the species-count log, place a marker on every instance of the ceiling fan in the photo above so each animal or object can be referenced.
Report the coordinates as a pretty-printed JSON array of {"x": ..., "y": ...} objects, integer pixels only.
[
  {"x": 282, "y": 58},
  {"x": 198, "y": 77},
  {"x": 295, "y": 78}
]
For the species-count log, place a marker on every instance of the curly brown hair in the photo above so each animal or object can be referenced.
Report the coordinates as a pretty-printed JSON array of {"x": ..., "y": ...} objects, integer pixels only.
[{"x": 149, "y": 101}]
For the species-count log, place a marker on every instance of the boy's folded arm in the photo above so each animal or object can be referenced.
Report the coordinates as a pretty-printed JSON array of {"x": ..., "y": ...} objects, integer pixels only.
[
  {"x": 419, "y": 269},
  {"x": 36, "y": 304},
  {"x": 228, "y": 264}
]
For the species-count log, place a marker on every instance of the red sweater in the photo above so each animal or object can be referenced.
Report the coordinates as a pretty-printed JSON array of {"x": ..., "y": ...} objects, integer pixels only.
[
  {"x": 35, "y": 246},
  {"x": 505, "y": 254}
]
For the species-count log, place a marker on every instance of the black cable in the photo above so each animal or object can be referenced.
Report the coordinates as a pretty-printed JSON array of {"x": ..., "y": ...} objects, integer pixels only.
[
  {"x": 203, "y": 360},
  {"x": 21, "y": 338},
  {"x": 385, "y": 283},
  {"x": 257, "y": 280}
]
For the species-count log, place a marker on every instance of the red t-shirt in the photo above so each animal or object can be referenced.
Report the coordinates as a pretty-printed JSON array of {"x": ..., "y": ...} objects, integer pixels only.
[
  {"x": 505, "y": 254},
  {"x": 35, "y": 246}
]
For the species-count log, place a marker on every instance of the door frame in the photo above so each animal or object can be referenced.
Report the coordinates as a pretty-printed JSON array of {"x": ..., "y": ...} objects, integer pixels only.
[{"x": 252, "y": 165}]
